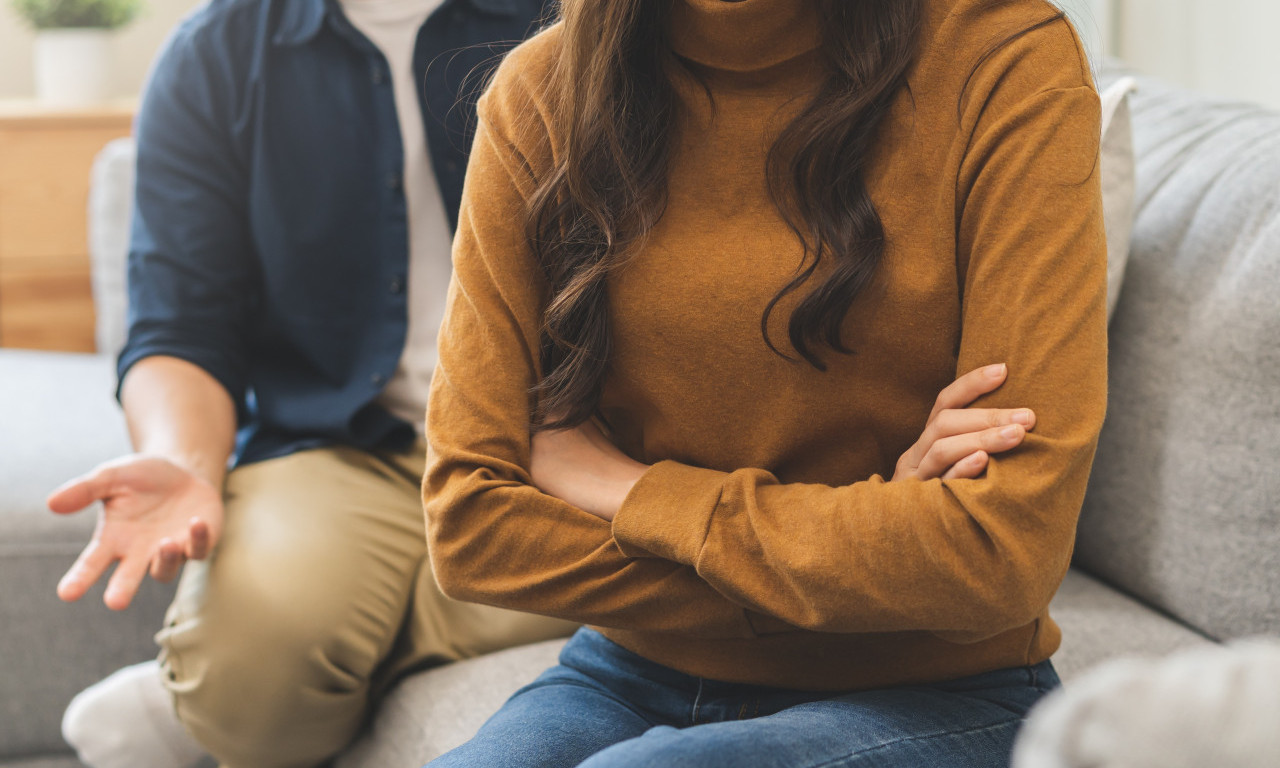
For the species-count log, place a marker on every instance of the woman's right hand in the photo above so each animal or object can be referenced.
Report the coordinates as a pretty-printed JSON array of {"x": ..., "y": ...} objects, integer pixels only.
[{"x": 958, "y": 441}]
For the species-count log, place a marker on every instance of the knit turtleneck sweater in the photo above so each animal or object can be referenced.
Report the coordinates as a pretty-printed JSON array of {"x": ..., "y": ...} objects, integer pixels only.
[{"x": 765, "y": 544}]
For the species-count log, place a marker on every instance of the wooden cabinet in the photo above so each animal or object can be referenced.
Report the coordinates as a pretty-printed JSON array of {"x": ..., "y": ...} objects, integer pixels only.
[{"x": 45, "y": 159}]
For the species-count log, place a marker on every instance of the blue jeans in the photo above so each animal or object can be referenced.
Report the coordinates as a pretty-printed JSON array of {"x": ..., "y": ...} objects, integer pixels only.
[{"x": 605, "y": 707}]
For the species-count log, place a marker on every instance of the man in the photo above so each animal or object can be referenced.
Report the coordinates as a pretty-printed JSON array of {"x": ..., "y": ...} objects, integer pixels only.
[{"x": 300, "y": 166}]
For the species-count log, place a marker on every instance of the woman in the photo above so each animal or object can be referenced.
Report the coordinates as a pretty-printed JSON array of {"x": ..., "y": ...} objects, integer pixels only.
[{"x": 718, "y": 258}]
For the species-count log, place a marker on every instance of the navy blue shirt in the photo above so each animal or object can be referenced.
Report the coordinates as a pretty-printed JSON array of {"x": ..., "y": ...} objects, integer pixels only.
[{"x": 270, "y": 232}]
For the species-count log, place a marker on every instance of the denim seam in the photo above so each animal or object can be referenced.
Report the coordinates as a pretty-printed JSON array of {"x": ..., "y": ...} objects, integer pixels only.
[
  {"x": 697, "y": 703},
  {"x": 905, "y": 739},
  {"x": 652, "y": 721}
]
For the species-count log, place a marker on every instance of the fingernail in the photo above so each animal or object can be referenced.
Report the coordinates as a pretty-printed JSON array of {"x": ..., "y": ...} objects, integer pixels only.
[
  {"x": 1022, "y": 417},
  {"x": 995, "y": 371},
  {"x": 1010, "y": 433}
]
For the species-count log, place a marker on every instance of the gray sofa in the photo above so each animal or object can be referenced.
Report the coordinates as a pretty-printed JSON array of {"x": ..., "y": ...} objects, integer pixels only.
[{"x": 1179, "y": 542}]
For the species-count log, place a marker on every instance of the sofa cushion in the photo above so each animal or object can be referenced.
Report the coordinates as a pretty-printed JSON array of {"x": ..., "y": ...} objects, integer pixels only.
[
  {"x": 1098, "y": 623},
  {"x": 432, "y": 712},
  {"x": 42, "y": 396},
  {"x": 58, "y": 420},
  {"x": 1181, "y": 510}
]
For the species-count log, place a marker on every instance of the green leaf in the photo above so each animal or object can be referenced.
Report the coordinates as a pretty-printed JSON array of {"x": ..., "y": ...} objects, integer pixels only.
[{"x": 68, "y": 14}]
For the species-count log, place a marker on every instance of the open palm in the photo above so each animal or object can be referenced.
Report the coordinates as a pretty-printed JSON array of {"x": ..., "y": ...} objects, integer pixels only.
[{"x": 155, "y": 515}]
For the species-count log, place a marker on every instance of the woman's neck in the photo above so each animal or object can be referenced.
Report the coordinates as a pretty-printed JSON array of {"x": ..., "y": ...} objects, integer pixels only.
[{"x": 744, "y": 35}]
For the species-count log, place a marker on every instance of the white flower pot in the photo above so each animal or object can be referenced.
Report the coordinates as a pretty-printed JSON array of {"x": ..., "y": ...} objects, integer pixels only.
[{"x": 73, "y": 66}]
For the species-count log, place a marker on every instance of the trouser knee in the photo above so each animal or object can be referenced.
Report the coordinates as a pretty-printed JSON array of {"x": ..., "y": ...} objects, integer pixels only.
[
  {"x": 270, "y": 671},
  {"x": 268, "y": 696}
]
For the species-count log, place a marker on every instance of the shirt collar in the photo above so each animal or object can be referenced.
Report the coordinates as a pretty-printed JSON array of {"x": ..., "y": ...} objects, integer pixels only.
[{"x": 301, "y": 20}]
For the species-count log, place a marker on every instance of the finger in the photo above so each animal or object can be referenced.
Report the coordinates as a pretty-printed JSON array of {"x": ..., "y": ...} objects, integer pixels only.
[
  {"x": 969, "y": 467},
  {"x": 88, "y": 567},
  {"x": 952, "y": 422},
  {"x": 949, "y": 423},
  {"x": 125, "y": 581},
  {"x": 969, "y": 387},
  {"x": 167, "y": 561},
  {"x": 949, "y": 450},
  {"x": 75, "y": 495},
  {"x": 198, "y": 539}
]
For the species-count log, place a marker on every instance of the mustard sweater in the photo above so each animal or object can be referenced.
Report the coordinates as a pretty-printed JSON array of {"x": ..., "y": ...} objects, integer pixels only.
[{"x": 765, "y": 545}]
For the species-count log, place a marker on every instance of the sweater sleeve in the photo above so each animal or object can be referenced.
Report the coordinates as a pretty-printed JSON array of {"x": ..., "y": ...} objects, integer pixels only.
[
  {"x": 967, "y": 559},
  {"x": 493, "y": 537}
]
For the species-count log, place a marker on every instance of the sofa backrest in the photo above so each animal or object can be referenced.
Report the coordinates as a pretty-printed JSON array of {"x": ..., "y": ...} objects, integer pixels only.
[
  {"x": 1183, "y": 509},
  {"x": 110, "y": 214}
]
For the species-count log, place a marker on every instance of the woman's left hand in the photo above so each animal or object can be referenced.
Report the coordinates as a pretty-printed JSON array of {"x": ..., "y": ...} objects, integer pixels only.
[{"x": 580, "y": 466}]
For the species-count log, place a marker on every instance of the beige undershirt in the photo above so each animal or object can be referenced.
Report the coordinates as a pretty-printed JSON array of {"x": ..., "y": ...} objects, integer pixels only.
[{"x": 392, "y": 26}]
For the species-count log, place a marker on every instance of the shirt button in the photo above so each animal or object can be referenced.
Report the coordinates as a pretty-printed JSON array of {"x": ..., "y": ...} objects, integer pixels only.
[
  {"x": 397, "y": 284},
  {"x": 451, "y": 166},
  {"x": 378, "y": 379},
  {"x": 393, "y": 182},
  {"x": 377, "y": 75}
]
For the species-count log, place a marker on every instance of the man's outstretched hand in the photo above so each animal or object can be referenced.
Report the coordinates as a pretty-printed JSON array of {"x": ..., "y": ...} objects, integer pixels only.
[{"x": 155, "y": 516}]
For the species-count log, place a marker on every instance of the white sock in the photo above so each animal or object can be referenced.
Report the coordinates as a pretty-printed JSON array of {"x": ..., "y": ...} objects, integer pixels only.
[{"x": 128, "y": 721}]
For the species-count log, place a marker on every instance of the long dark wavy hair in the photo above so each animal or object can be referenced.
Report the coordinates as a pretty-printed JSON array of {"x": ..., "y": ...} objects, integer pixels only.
[{"x": 618, "y": 119}]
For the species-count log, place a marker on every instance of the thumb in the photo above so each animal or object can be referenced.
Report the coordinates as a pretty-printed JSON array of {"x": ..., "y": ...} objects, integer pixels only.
[{"x": 75, "y": 495}]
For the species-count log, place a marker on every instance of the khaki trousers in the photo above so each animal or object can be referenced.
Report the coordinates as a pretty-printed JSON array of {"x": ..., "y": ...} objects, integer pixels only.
[{"x": 318, "y": 597}]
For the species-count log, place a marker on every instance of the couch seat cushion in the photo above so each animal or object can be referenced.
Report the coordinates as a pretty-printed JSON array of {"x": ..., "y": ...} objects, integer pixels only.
[
  {"x": 43, "y": 396},
  {"x": 1099, "y": 623},
  {"x": 432, "y": 712},
  {"x": 58, "y": 420}
]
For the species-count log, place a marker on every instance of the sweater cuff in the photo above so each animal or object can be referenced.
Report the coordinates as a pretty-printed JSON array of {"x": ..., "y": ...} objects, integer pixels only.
[{"x": 668, "y": 512}]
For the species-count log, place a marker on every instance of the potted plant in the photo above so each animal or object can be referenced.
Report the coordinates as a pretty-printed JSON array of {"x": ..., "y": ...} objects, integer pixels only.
[{"x": 72, "y": 52}]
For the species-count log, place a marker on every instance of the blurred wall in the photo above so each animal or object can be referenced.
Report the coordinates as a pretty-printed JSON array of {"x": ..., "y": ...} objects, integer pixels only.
[
  {"x": 136, "y": 45},
  {"x": 1227, "y": 47},
  {"x": 132, "y": 48}
]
